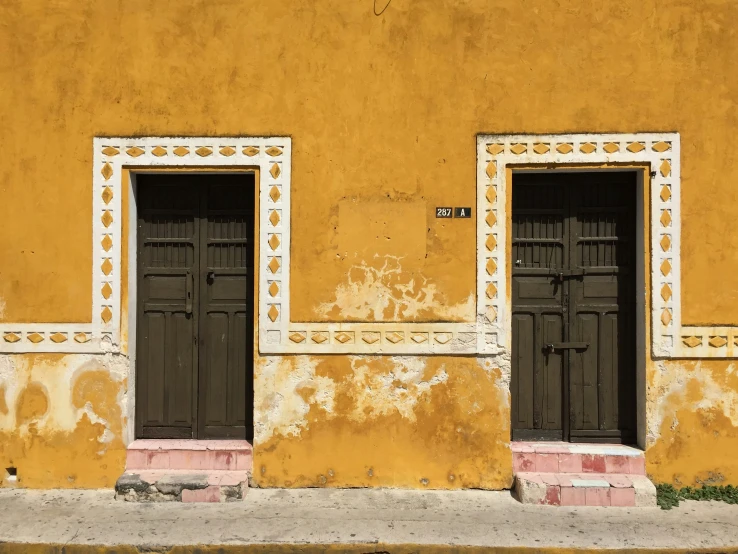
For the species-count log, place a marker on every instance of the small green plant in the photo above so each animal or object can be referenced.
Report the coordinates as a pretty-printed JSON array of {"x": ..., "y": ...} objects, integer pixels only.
[{"x": 668, "y": 496}]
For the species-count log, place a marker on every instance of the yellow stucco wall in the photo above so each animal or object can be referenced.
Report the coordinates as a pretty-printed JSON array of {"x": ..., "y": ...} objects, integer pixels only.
[{"x": 383, "y": 113}]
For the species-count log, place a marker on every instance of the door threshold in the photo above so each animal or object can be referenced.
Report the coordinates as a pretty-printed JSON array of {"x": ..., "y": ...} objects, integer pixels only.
[
  {"x": 189, "y": 444},
  {"x": 560, "y": 447}
]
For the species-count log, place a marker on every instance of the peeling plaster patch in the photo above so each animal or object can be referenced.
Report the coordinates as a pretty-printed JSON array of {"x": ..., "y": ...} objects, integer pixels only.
[
  {"x": 380, "y": 393},
  {"x": 687, "y": 386},
  {"x": 284, "y": 411},
  {"x": 382, "y": 291}
]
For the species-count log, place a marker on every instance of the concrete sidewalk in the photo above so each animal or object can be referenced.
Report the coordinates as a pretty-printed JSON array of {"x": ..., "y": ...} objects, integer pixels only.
[{"x": 310, "y": 520}]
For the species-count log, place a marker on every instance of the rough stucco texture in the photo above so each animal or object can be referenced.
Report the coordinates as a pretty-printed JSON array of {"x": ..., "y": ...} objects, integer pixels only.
[{"x": 383, "y": 112}]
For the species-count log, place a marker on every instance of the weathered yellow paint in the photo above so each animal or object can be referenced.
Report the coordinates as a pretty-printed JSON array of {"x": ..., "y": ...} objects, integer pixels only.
[
  {"x": 63, "y": 427},
  {"x": 383, "y": 113},
  {"x": 382, "y": 421}
]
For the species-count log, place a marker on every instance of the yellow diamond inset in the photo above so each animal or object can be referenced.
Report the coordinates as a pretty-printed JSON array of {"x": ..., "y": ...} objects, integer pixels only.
[
  {"x": 665, "y": 168},
  {"x": 204, "y": 151},
  {"x": 11, "y": 337},
  {"x": 274, "y": 171},
  {"x": 35, "y": 338},
  {"x": 274, "y": 242},
  {"x": 319, "y": 337},
  {"x": 611, "y": 147},
  {"x": 107, "y": 218},
  {"x": 135, "y": 151},
  {"x": 107, "y": 266},
  {"x": 251, "y": 151},
  {"x": 495, "y": 149},
  {"x": 661, "y": 146},
  {"x": 665, "y": 268},
  {"x": 541, "y": 148},
  {"x": 107, "y": 195},
  {"x": 106, "y": 314},
  {"x": 370, "y": 338},
  {"x": 107, "y": 291},
  {"x": 692, "y": 341},
  {"x": 273, "y": 289},
  {"x": 181, "y": 151},
  {"x": 665, "y": 243},
  {"x": 491, "y": 242},
  {"x": 107, "y": 171},
  {"x": 297, "y": 337},
  {"x": 273, "y": 313},
  {"x": 491, "y": 219},
  {"x": 491, "y": 266},
  {"x": 665, "y": 193},
  {"x": 58, "y": 337},
  {"x": 159, "y": 151},
  {"x": 666, "y": 316},
  {"x": 343, "y": 338},
  {"x": 273, "y": 151},
  {"x": 491, "y": 290},
  {"x": 227, "y": 151},
  {"x": 491, "y": 169},
  {"x": 273, "y": 265},
  {"x": 107, "y": 243},
  {"x": 717, "y": 342},
  {"x": 81, "y": 338},
  {"x": 518, "y": 149},
  {"x": 419, "y": 337},
  {"x": 666, "y": 292},
  {"x": 636, "y": 147},
  {"x": 395, "y": 337},
  {"x": 491, "y": 194},
  {"x": 665, "y": 218},
  {"x": 110, "y": 151},
  {"x": 564, "y": 148},
  {"x": 274, "y": 218},
  {"x": 587, "y": 148},
  {"x": 274, "y": 194}
]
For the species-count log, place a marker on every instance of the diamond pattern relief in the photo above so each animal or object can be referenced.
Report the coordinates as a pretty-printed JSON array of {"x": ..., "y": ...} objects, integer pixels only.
[
  {"x": 107, "y": 218},
  {"x": 665, "y": 268},
  {"x": 227, "y": 151},
  {"x": 717, "y": 342},
  {"x": 181, "y": 151},
  {"x": 274, "y": 194},
  {"x": 81, "y": 338},
  {"x": 344, "y": 337},
  {"x": 35, "y": 338},
  {"x": 273, "y": 313},
  {"x": 394, "y": 337},
  {"x": 611, "y": 147},
  {"x": 541, "y": 148},
  {"x": 491, "y": 290},
  {"x": 495, "y": 149},
  {"x": 491, "y": 266},
  {"x": 320, "y": 337},
  {"x": 106, "y": 314},
  {"x": 442, "y": 338},
  {"x": 491, "y": 314},
  {"x": 11, "y": 337},
  {"x": 110, "y": 151},
  {"x": 587, "y": 148},
  {"x": 491, "y": 169},
  {"x": 273, "y": 289},
  {"x": 273, "y": 242},
  {"x": 273, "y": 265},
  {"x": 107, "y": 266},
  {"x": 58, "y": 338},
  {"x": 666, "y": 316},
  {"x": 106, "y": 243},
  {"x": 491, "y": 219},
  {"x": 135, "y": 151},
  {"x": 666, "y": 292},
  {"x": 370, "y": 338},
  {"x": 665, "y": 218},
  {"x": 297, "y": 337},
  {"x": 565, "y": 148},
  {"x": 665, "y": 168},
  {"x": 251, "y": 151},
  {"x": 273, "y": 151},
  {"x": 661, "y": 146},
  {"x": 274, "y": 218},
  {"x": 107, "y": 195},
  {"x": 159, "y": 151},
  {"x": 636, "y": 147},
  {"x": 107, "y": 171},
  {"x": 204, "y": 151},
  {"x": 665, "y": 243},
  {"x": 491, "y": 242},
  {"x": 419, "y": 338},
  {"x": 107, "y": 291},
  {"x": 274, "y": 171},
  {"x": 665, "y": 193},
  {"x": 518, "y": 148},
  {"x": 491, "y": 194},
  {"x": 692, "y": 341}
]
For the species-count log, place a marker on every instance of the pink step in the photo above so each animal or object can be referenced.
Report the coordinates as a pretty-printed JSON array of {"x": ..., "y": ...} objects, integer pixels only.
[
  {"x": 564, "y": 457},
  {"x": 585, "y": 489},
  {"x": 182, "y": 485},
  {"x": 156, "y": 454}
]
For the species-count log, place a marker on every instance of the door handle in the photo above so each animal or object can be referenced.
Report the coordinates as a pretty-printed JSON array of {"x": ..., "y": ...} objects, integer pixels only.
[
  {"x": 210, "y": 277},
  {"x": 566, "y": 346},
  {"x": 189, "y": 291}
]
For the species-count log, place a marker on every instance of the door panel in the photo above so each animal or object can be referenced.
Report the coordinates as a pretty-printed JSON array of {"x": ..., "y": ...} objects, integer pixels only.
[
  {"x": 573, "y": 282},
  {"x": 195, "y": 309},
  {"x": 227, "y": 307},
  {"x": 166, "y": 350}
]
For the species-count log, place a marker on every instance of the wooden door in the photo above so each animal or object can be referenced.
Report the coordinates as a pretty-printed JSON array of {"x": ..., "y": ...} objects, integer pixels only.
[
  {"x": 573, "y": 317},
  {"x": 195, "y": 306}
]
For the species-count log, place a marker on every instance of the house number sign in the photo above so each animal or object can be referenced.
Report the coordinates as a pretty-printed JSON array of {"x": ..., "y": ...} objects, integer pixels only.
[{"x": 453, "y": 212}]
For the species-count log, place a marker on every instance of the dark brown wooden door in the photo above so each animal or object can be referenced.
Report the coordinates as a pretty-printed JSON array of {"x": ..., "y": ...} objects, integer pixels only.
[
  {"x": 195, "y": 306},
  {"x": 573, "y": 295}
]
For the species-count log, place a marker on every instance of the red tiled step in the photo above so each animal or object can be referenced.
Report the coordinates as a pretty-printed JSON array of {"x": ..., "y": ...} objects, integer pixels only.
[
  {"x": 564, "y": 457},
  {"x": 154, "y": 454},
  {"x": 585, "y": 489}
]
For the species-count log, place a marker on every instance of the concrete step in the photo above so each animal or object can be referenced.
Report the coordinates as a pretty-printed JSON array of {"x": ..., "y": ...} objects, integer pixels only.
[
  {"x": 158, "y": 454},
  {"x": 182, "y": 486},
  {"x": 585, "y": 489},
  {"x": 565, "y": 457}
]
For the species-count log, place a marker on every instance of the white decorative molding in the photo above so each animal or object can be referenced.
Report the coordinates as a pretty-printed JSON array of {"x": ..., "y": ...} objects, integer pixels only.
[{"x": 489, "y": 334}]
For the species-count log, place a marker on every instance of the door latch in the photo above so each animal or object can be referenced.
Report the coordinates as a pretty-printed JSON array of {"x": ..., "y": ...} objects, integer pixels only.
[
  {"x": 550, "y": 347},
  {"x": 189, "y": 291},
  {"x": 210, "y": 276}
]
